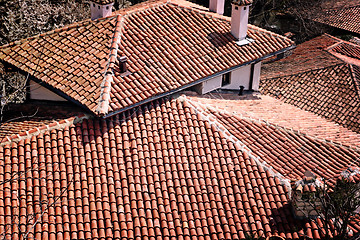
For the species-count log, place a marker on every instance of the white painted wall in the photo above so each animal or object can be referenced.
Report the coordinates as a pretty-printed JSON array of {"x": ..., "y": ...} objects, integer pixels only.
[
  {"x": 100, "y": 11},
  {"x": 239, "y": 77},
  {"x": 209, "y": 85},
  {"x": 239, "y": 21},
  {"x": 38, "y": 92},
  {"x": 256, "y": 76},
  {"x": 217, "y": 6}
]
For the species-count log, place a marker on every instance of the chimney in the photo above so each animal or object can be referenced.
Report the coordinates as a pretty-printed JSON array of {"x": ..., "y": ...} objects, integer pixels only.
[
  {"x": 217, "y": 6},
  {"x": 304, "y": 197},
  {"x": 122, "y": 64},
  {"x": 239, "y": 18},
  {"x": 101, "y": 8}
]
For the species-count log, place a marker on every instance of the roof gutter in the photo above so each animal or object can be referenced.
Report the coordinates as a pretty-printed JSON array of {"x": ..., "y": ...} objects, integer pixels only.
[{"x": 198, "y": 81}]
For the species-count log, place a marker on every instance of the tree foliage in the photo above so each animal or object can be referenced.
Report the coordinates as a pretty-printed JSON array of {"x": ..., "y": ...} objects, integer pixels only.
[
  {"x": 339, "y": 204},
  {"x": 23, "y": 18}
]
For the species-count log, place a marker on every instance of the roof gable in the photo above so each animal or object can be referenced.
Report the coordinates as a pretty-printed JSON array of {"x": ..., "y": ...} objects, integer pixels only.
[
  {"x": 71, "y": 60},
  {"x": 169, "y": 45}
]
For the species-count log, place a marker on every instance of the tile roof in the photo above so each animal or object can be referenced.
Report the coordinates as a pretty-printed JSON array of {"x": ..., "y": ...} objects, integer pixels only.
[
  {"x": 23, "y": 120},
  {"x": 344, "y": 17},
  {"x": 269, "y": 109},
  {"x": 242, "y": 2},
  {"x": 102, "y": 2},
  {"x": 169, "y": 45},
  {"x": 163, "y": 170},
  {"x": 289, "y": 152},
  {"x": 308, "y": 55},
  {"x": 329, "y": 88}
]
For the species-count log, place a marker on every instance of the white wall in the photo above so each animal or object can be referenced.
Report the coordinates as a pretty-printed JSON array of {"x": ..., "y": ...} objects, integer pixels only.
[
  {"x": 239, "y": 21},
  {"x": 100, "y": 11},
  {"x": 38, "y": 92},
  {"x": 209, "y": 85},
  {"x": 256, "y": 76},
  {"x": 239, "y": 77}
]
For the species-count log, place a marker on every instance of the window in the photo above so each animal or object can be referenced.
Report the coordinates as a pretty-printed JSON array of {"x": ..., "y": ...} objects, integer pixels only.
[
  {"x": 107, "y": 7},
  {"x": 236, "y": 8},
  {"x": 93, "y": 4},
  {"x": 225, "y": 79},
  {"x": 244, "y": 8}
]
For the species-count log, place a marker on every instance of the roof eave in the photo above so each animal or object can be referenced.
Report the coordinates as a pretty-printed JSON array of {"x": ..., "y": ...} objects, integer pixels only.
[{"x": 197, "y": 82}]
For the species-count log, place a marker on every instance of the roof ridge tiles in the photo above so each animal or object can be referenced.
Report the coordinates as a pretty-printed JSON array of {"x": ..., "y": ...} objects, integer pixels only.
[
  {"x": 353, "y": 76},
  {"x": 103, "y": 104},
  {"x": 61, "y": 124},
  {"x": 277, "y": 126},
  {"x": 212, "y": 120},
  {"x": 309, "y": 70}
]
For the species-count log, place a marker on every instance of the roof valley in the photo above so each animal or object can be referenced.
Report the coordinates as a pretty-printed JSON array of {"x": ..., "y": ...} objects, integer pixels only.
[{"x": 212, "y": 120}]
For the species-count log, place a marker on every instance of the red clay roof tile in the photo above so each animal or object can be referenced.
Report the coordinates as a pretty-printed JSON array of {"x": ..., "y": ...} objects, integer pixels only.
[
  {"x": 343, "y": 17},
  {"x": 161, "y": 171},
  {"x": 322, "y": 83},
  {"x": 164, "y": 53}
]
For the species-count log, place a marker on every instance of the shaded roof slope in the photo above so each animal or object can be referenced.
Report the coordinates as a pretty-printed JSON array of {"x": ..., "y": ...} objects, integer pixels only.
[
  {"x": 163, "y": 170},
  {"x": 343, "y": 17},
  {"x": 308, "y": 55},
  {"x": 329, "y": 89},
  {"x": 168, "y": 45}
]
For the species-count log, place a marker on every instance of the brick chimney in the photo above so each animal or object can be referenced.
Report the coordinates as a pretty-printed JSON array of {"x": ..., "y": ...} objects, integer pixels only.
[
  {"x": 101, "y": 8},
  {"x": 217, "y": 6},
  {"x": 304, "y": 197},
  {"x": 240, "y": 18}
]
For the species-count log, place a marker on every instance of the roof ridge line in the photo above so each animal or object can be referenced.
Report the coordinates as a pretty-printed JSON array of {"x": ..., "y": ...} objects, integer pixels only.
[
  {"x": 104, "y": 98},
  {"x": 61, "y": 124},
  {"x": 222, "y": 129},
  {"x": 57, "y": 30},
  {"x": 291, "y": 130},
  {"x": 353, "y": 76},
  {"x": 341, "y": 8},
  {"x": 310, "y": 70}
]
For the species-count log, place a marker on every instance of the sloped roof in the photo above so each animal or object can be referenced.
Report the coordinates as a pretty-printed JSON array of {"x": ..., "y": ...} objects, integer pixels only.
[
  {"x": 165, "y": 170},
  {"x": 102, "y": 2},
  {"x": 272, "y": 110},
  {"x": 343, "y": 17},
  {"x": 23, "y": 120},
  {"x": 289, "y": 151},
  {"x": 329, "y": 88},
  {"x": 168, "y": 44}
]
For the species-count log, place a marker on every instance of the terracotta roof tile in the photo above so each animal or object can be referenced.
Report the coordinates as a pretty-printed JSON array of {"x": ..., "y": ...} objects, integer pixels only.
[
  {"x": 242, "y": 2},
  {"x": 344, "y": 17},
  {"x": 266, "y": 108},
  {"x": 329, "y": 88},
  {"x": 289, "y": 152},
  {"x": 161, "y": 171},
  {"x": 20, "y": 120},
  {"x": 164, "y": 53},
  {"x": 102, "y": 2}
]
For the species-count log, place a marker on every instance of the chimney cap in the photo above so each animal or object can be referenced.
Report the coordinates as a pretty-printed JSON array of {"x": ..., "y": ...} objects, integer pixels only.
[
  {"x": 242, "y": 2},
  {"x": 102, "y": 2}
]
